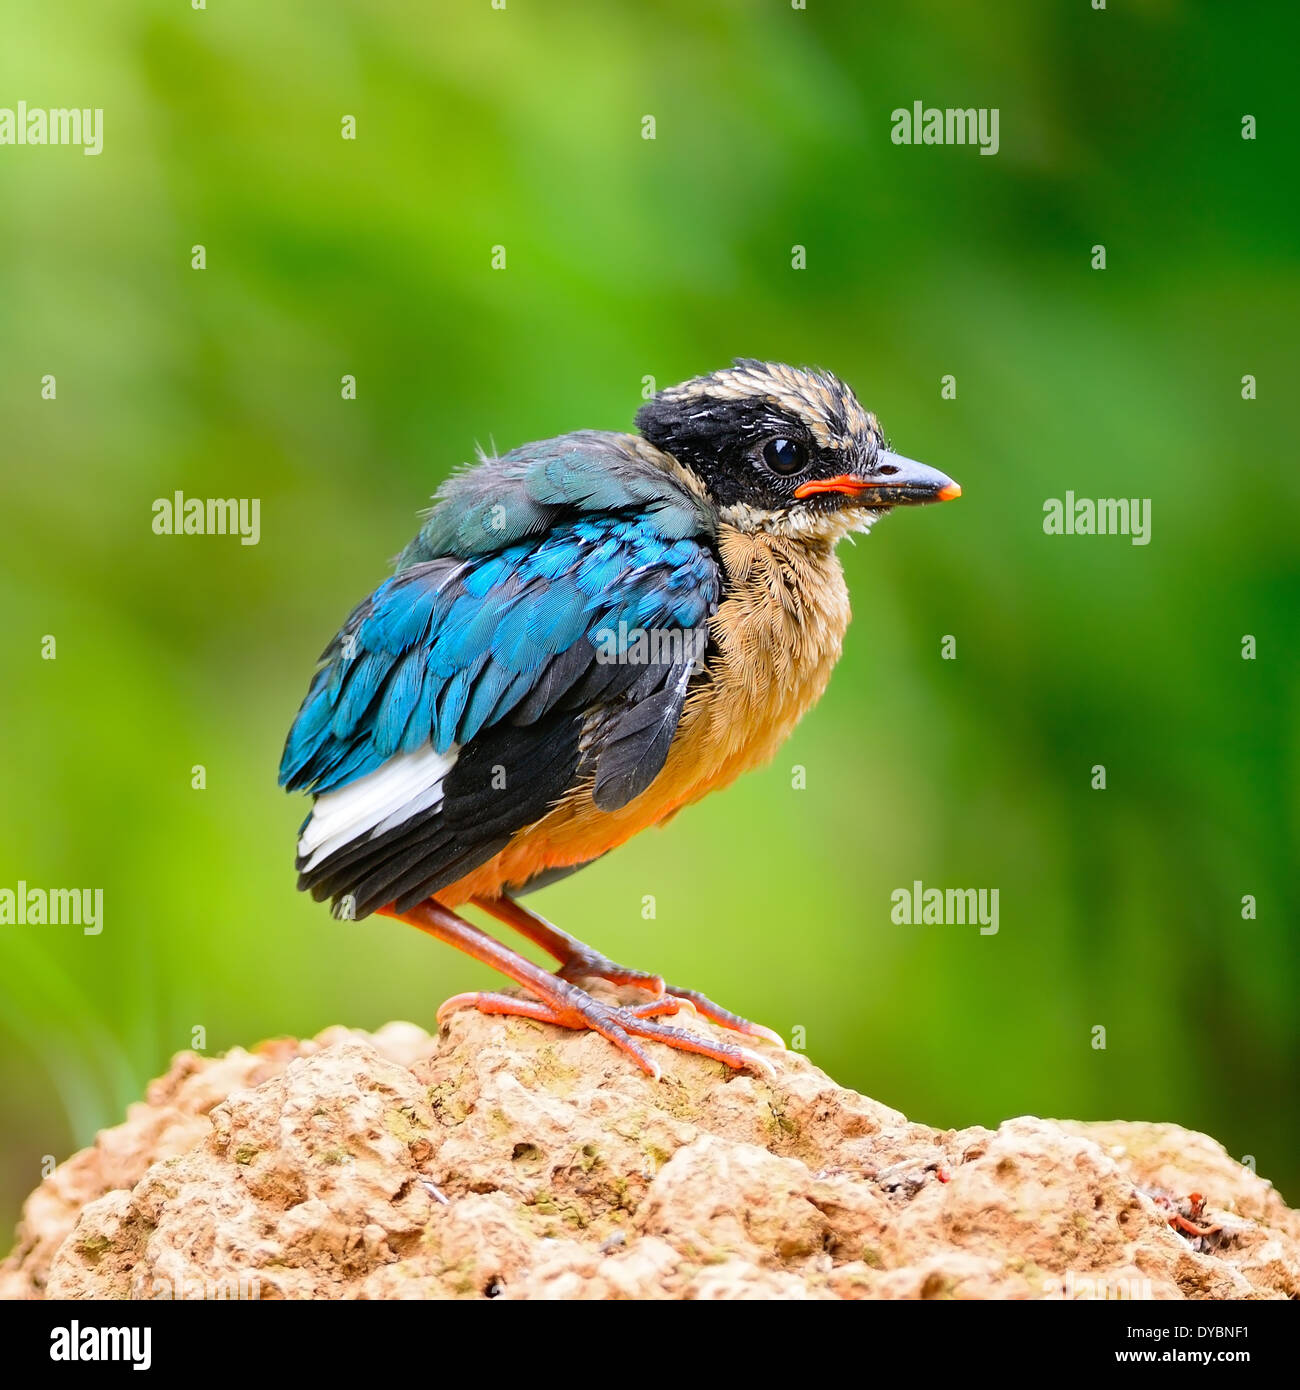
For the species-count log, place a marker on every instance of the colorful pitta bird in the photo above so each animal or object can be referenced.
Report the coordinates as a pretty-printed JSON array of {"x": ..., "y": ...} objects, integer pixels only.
[{"x": 588, "y": 634}]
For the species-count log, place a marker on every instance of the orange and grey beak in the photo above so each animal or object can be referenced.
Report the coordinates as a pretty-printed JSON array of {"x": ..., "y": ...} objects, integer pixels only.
[{"x": 893, "y": 481}]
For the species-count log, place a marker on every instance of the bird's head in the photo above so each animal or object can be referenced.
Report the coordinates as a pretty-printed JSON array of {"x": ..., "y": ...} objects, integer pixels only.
[{"x": 786, "y": 450}]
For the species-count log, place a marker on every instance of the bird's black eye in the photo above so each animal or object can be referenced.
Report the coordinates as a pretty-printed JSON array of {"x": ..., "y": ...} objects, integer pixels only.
[{"x": 784, "y": 456}]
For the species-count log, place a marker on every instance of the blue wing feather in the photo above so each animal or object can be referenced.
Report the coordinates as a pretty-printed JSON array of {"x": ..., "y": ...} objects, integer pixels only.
[
  {"x": 490, "y": 636},
  {"x": 449, "y": 647}
]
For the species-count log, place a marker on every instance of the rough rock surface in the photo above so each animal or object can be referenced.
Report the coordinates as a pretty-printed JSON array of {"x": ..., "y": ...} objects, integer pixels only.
[{"x": 515, "y": 1160}]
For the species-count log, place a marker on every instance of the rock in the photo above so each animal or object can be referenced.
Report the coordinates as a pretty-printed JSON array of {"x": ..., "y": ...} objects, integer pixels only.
[{"x": 511, "y": 1159}]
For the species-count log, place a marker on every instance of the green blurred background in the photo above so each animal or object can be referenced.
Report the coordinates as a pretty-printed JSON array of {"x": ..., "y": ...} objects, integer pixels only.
[{"x": 628, "y": 258}]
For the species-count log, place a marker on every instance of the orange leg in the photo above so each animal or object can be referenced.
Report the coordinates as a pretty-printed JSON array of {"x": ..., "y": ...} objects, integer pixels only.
[
  {"x": 560, "y": 1001},
  {"x": 578, "y": 961}
]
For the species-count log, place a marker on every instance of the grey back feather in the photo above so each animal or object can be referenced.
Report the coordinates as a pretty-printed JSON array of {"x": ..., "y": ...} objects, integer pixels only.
[{"x": 501, "y": 501}]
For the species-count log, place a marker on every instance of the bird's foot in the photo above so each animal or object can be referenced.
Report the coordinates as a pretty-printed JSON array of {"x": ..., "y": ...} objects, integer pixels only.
[
  {"x": 577, "y": 961},
  {"x": 724, "y": 1018},
  {"x": 571, "y": 1007},
  {"x": 586, "y": 964}
]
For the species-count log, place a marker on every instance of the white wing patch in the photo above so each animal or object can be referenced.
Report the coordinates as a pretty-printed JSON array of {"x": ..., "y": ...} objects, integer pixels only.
[{"x": 375, "y": 803}]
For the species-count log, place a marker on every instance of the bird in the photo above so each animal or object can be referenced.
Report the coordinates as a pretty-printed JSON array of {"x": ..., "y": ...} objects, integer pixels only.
[{"x": 587, "y": 634}]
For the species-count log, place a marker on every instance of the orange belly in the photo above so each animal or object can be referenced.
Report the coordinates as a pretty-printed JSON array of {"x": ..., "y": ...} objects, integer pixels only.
[{"x": 777, "y": 637}]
